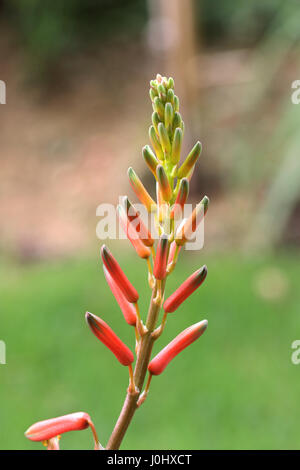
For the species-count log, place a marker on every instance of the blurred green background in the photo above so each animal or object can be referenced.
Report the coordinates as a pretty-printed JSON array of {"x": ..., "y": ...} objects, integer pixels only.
[{"x": 76, "y": 117}]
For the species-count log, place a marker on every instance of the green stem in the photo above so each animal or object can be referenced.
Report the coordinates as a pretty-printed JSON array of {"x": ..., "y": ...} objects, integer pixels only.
[{"x": 144, "y": 354}]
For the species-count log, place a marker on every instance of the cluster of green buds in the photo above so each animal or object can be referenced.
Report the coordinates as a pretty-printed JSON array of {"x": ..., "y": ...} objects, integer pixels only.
[{"x": 172, "y": 189}]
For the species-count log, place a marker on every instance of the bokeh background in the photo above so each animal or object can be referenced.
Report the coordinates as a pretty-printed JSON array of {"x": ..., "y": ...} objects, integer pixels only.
[{"x": 77, "y": 115}]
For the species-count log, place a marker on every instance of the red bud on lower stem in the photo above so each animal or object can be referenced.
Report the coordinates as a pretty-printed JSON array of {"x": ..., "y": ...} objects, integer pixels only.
[
  {"x": 184, "y": 339},
  {"x": 109, "y": 338},
  {"x": 49, "y": 428},
  {"x": 127, "y": 308},
  {"x": 118, "y": 275},
  {"x": 161, "y": 257},
  {"x": 185, "y": 290}
]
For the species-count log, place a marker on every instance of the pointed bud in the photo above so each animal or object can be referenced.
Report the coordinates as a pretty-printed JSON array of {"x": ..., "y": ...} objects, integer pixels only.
[
  {"x": 185, "y": 232},
  {"x": 150, "y": 159},
  {"x": 135, "y": 217},
  {"x": 185, "y": 290},
  {"x": 152, "y": 94},
  {"x": 171, "y": 83},
  {"x": 170, "y": 96},
  {"x": 155, "y": 121},
  {"x": 109, "y": 338},
  {"x": 182, "y": 195},
  {"x": 161, "y": 257},
  {"x": 164, "y": 138},
  {"x": 164, "y": 185},
  {"x": 184, "y": 339},
  {"x": 190, "y": 161},
  {"x": 155, "y": 143},
  {"x": 159, "y": 107},
  {"x": 118, "y": 275},
  {"x": 169, "y": 115},
  {"x": 176, "y": 103},
  {"x": 162, "y": 92},
  {"x": 50, "y": 428},
  {"x": 132, "y": 235},
  {"x": 172, "y": 251},
  {"x": 177, "y": 122},
  {"x": 126, "y": 307},
  {"x": 176, "y": 146},
  {"x": 141, "y": 191}
]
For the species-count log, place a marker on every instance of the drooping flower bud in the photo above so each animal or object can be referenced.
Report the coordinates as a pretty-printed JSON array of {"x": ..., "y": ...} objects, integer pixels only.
[
  {"x": 190, "y": 161},
  {"x": 176, "y": 146},
  {"x": 182, "y": 195},
  {"x": 161, "y": 257},
  {"x": 185, "y": 290},
  {"x": 134, "y": 217},
  {"x": 118, "y": 275},
  {"x": 187, "y": 230},
  {"x": 109, "y": 338},
  {"x": 150, "y": 159},
  {"x": 155, "y": 143},
  {"x": 132, "y": 235},
  {"x": 164, "y": 184},
  {"x": 126, "y": 307},
  {"x": 184, "y": 339},
  {"x": 164, "y": 139},
  {"x": 49, "y": 428},
  {"x": 141, "y": 191}
]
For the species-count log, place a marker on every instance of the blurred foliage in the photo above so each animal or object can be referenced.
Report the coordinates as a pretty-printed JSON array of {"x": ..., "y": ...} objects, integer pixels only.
[
  {"x": 235, "y": 388},
  {"x": 49, "y": 29}
]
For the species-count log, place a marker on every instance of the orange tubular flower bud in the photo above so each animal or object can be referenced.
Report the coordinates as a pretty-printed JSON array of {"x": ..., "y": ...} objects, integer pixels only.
[
  {"x": 185, "y": 290},
  {"x": 150, "y": 159},
  {"x": 134, "y": 216},
  {"x": 106, "y": 335},
  {"x": 160, "y": 264},
  {"x": 118, "y": 275},
  {"x": 186, "y": 231},
  {"x": 50, "y": 428},
  {"x": 184, "y": 339},
  {"x": 164, "y": 184},
  {"x": 181, "y": 198},
  {"x": 141, "y": 191},
  {"x": 127, "y": 308},
  {"x": 132, "y": 235}
]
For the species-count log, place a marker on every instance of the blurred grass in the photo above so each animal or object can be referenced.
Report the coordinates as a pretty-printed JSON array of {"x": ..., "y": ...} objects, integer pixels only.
[{"x": 235, "y": 388}]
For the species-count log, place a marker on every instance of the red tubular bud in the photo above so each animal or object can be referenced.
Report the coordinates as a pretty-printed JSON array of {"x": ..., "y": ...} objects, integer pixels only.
[
  {"x": 132, "y": 235},
  {"x": 185, "y": 290},
  {"x": 107, "y": 336},
  {"x": 181, "y": 198},
  {"x": 49, "y": 428},
  {"x": 161, "y": 257},
  {"x": 172, "y": 251},
  {"x": 127, "y": 308},
  {"x": 139, "y": 225},
  {"x": 118, "y": 275},
  {"x": 184, "y": 339}
]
